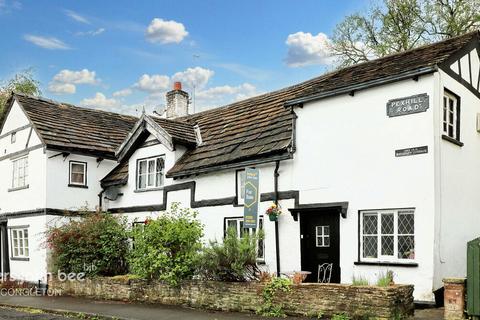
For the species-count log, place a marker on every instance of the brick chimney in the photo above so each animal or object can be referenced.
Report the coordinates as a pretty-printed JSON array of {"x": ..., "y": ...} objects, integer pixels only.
[{"x": 177, "y": 102}]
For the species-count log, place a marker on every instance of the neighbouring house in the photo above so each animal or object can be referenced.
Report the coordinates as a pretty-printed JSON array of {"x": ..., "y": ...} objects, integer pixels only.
[{"x": 374, "y": 166}]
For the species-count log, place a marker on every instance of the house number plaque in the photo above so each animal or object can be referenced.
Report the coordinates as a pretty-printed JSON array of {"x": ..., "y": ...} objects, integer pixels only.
[{"x": 407, "y": 105}]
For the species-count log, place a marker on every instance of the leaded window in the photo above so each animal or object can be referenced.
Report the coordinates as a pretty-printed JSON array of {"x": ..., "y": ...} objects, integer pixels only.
[
  {"x": 387, "y": 235},
  {"x": 451, "y": 116},
  {"x": 20, "y": 243}
]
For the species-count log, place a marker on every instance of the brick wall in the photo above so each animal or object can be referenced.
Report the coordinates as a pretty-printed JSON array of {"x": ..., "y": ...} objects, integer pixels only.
[{"x": 304, "y": 299}]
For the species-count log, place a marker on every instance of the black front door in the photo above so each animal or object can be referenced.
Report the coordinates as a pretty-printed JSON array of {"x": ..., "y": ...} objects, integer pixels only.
[
  {"x": 320, "y": 242},
  {"x": 4, "y": 260}
]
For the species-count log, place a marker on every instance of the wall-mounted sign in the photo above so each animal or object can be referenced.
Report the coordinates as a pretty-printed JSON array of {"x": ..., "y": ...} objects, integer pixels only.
[
  {"x": 407, "y": 105},
  {"x": 411, "y": 151},
  {"x": 250, "y": 207}
]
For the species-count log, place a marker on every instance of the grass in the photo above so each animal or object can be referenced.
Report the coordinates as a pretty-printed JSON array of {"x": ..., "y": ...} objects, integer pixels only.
[
  {"x": 360, "y": 281},
  {"x": 385, "y": 279}
]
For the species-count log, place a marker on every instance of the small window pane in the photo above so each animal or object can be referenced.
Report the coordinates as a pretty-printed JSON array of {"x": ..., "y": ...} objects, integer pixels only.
[
  {"x": 370, "y": 224},
  {"x": 387, "y": 246},
  {"x": 143, "y": 167},
  {"x": 370, "y": 246},
  {"x": 387, "y": 223},
  {"x": 406, "y": 246},
  {"x": 405, "y": 223}
]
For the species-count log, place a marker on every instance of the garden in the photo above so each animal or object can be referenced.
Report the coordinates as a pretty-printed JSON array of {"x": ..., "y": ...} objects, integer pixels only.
[{"x": 165, "y": 260}]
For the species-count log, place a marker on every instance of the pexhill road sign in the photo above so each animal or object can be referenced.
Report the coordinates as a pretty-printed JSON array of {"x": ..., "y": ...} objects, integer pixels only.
[{"x": 250, "y": 207}]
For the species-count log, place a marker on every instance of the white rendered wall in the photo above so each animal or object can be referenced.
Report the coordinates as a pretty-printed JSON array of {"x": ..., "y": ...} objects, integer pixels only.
[
  {"x": 132, "y": 198},
  {"x": 345, "y": 152},
  {"x": 34, "y": 196},
  {"x": 36, "y": 267},
  {"x": 458, "y": 205},
  {"x": 60, "y": 195}
]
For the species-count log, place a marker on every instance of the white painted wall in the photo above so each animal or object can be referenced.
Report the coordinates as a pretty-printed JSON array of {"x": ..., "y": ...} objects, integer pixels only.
[
  {"x": 36, "y": 267},
  {"x": 60, "y": 196},
  {"x": 16, "y": 200},
  {"x": 133, "y": 198},
  {"x": 458, "y": 175},
  {"x": 345, "y": 152}
]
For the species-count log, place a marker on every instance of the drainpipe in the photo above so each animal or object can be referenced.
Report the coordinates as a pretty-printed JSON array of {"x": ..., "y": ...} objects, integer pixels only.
[
  {"x": 277, "y": 242},
  {"x": 100, "y": 200}
]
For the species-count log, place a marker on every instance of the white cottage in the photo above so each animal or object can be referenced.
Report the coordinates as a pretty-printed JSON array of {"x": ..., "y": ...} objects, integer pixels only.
[{"x": 375, "y": 167}]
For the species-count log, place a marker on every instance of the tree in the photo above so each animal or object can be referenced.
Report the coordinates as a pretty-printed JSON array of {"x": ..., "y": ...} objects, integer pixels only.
[
  {"x": 399, "y": 25},
  {"x": 23, "y": 82}
]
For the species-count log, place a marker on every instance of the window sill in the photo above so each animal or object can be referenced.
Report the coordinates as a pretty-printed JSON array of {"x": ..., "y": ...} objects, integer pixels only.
[
  {"x": 18, "y": 188},
  {"x": 454, "y": 141},
  {"x": 77, "y": 186},
  {"x": 148, "y": 190},
  {"x": 387, "y": 264},
  {"x": 19, "y": 259}
]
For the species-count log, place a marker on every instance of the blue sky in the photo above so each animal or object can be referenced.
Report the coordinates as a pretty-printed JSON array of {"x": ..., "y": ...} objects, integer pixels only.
[{"x": 123, "y": 55}]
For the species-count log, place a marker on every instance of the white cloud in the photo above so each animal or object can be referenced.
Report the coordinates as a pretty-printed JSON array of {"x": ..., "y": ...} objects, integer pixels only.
[
  {"x": 61, "y": 88},
  {"x": 9, "y": 6},
  {"x": 92, "y": 33},
  {"x": 122, "y": 93},
  {"x": 83, "y": 76},
  {"x": 64, "y": 82},
  {"x": 152, "y": 83},
  {"x": 46, "y": 42},
  {"x": 222, "y": 95},
  {"x": 77, "y": 17},
  {"x": 191, "y": 77},
  {"x": 307, "y": 49},
  {"x": 99, "y": 101},
  {"x": 164, "y": 31}
]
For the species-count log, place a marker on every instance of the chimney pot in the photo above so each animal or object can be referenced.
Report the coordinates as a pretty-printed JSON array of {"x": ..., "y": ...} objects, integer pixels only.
[{"x": 177, "y": 85}]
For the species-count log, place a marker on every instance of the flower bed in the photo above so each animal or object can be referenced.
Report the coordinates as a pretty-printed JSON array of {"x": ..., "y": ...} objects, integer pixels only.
[{"x": 391, "y": 302}]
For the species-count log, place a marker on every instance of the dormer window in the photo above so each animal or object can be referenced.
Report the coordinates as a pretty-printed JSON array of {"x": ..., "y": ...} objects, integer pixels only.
[{"x": 150, "y": 173}]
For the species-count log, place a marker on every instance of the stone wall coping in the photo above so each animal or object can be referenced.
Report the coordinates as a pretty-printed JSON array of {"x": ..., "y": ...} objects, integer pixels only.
[{"x": 454, "y": 280}]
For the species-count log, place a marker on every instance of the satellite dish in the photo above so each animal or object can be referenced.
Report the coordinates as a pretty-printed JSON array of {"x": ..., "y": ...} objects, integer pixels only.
[{"x": 111, "y": 193}]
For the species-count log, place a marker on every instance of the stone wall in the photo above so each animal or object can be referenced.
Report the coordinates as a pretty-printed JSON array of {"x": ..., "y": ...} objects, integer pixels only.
[{"x": 302, "y": 300}]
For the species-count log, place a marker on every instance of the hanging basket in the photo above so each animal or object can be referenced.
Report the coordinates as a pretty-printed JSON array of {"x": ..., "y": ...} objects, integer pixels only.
[{"x": 273, "y": 217}]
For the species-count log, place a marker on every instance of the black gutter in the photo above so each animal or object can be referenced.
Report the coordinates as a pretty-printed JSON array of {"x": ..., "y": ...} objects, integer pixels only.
[
  {"x": 362, "y": 86},
  {"x": 277, "y": 240}
]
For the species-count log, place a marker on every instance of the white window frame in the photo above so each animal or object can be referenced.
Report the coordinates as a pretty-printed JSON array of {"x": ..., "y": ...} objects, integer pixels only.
[
  {"x": 240, "y": 185},
  {"x": 84, "y": 182},
  {"x": 322, "y": 236},
  {"x": 20, "y": 172},
  {"x": 386, "y": 258},
  {"x": 240, "y": 232},
  {"x": 19, "y": 242},
  {"x": 154, "y": 183},
  {"x": 450, "y": 118}
]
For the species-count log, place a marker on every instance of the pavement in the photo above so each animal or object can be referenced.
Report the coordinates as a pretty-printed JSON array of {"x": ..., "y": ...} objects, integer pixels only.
[
  {"x": 64, "y": 307},
  {"x": 118, "y": 310}
]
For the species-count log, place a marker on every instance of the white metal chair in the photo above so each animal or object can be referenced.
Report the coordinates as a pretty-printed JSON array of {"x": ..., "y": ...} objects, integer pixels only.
[{"x": 324, "y": 272}]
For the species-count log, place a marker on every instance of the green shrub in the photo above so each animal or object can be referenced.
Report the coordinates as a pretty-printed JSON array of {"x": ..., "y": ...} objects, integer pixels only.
[
  {"x": 234, "y": 259},
  {"x": 340, "y": 316},
  {"x": 269, "y": 308},
  {"x": 94, "y": 244},
  {"x": 167, "y": 248},
  {"x": 360, "y": 281},
  {"x": 385, "y": 279}
]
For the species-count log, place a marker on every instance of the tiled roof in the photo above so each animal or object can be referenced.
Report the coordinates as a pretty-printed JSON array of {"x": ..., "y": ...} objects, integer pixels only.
[
  {"x": 262, "y": 126},
  {"x": 180, "y": 131},
  {"x": 68, "y": 127}
]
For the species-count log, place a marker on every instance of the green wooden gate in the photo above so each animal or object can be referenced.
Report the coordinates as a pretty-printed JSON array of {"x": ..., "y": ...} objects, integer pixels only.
[{"x": 473, "y": 278}]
